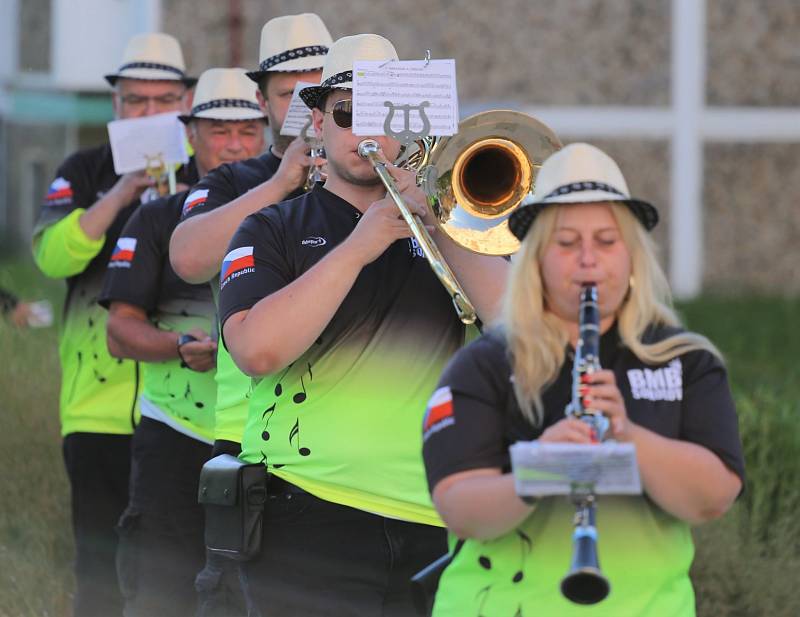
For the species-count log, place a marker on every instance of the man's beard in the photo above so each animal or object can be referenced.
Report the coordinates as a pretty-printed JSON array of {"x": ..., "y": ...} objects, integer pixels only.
[{"x": 372, "y": 180}]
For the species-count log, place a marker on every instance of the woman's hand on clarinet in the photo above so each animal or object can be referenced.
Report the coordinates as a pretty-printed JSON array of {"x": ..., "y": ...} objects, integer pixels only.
[
  {"x": 599, "y": 391},
  {"x": 568, "y": 430}
]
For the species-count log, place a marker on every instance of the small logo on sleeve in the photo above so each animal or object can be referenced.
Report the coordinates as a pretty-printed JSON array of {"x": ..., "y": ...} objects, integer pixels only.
[
  {"x": 123, "y": 253},
  {"x": 661, "y": 384},
  {"x": 314, "y": 241},
  {"x": 414, "y": 248},
  {"x": 439, "y": 414},
  {"x": 194, "y": 199},
  {"x": 59, "y": 193},
  {"x": 236, "y": 263}
]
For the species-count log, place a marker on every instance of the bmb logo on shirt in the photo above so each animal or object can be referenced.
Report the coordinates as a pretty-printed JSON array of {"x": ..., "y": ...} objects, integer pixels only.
[
  {"x": 236, "y": 263},
  {"x": 661, "y": 384},
  {"x": 123, "y": 254}
]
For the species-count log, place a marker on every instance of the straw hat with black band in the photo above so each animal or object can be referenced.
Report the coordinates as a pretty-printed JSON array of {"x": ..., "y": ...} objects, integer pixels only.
[
  {"x": 578, "y": 174},
  {"x": 225, "y": 95},
  {"x": 338, "y": 70},
  {"x": 152, "y": 57},
  {"x": 292, "y": 44}
]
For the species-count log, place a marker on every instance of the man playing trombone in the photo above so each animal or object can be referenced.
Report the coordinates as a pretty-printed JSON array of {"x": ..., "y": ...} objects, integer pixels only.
[{"x": 326, "y": 301}]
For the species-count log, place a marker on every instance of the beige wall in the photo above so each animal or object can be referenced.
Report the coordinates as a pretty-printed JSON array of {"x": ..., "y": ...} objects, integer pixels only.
[
  {"x": 569, "y": 52},
  {"x": 752, "y": 217},
  {"x": 754, "y": 52}
]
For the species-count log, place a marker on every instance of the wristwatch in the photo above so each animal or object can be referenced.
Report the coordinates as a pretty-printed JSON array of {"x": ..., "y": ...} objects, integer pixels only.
[{"x": 182, "y": 340}]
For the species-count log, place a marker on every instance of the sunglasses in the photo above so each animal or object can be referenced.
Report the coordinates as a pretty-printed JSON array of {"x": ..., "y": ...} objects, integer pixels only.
[{"x": 342, "y": 112}]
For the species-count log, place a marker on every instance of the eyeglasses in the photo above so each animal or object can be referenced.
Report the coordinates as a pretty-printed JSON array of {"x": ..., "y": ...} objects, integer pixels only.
[
  {"x": 342, "y": 112},
  {"x": 134, "y": 100}
]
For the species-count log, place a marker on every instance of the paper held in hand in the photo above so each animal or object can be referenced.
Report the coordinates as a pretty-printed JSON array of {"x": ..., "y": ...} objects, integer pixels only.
[
  {"x": 298, "y": 114},
  {"x": 413, "y": 94},
  {"x": 542, "y": 469},
  {"x": 137, "y": 142}
]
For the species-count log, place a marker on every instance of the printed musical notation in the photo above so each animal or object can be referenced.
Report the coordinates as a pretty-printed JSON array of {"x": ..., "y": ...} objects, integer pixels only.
[
  {"x": 405, "y": 83},
  {"x": 298, "y": 397}
]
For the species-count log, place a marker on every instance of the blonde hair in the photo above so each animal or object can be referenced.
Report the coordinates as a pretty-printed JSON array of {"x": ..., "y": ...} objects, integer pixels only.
[{"x": 536, "y": 338}]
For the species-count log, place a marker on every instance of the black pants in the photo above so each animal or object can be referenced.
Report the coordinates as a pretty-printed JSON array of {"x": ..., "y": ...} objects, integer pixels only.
[
  {"x": 323, "y": 559},
  {"x": 98, "y": 467},
  {"x": 161, "y": 547}
]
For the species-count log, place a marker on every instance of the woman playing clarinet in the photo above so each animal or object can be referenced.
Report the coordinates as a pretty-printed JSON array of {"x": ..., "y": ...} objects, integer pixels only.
[{"x": 662, "y": 388}]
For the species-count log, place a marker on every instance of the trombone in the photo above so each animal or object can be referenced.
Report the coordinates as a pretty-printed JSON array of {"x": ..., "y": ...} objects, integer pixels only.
[{"x": 473, "y": 181}]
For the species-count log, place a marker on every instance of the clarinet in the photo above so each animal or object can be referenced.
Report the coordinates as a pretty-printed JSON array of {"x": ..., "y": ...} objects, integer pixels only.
[{"x": 585, "y": 583}]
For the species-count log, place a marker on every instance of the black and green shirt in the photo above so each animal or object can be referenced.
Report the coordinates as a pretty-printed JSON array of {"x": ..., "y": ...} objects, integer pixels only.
[
  {"x": 644, "y": 552},
  {"x": 98, "y": 392},
  {"x": 342, "y": 421},
  {"x": 140, "y": 274},
  {"x": 220, "y": 187}
]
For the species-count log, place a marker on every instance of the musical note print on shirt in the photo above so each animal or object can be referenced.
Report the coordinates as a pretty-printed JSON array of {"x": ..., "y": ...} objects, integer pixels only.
[
  {"x": 295, "y": 433},
  {"x": 267, "y": 412},
  {"x": 299, "y": 397}
]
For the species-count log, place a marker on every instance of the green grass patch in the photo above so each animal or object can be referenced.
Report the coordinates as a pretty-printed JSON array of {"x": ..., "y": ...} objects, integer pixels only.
[{"x": 35, "y": 534}]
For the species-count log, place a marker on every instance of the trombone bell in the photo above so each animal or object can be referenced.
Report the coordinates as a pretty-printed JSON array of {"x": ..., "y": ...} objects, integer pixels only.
[{"x": 475, "y": 179}]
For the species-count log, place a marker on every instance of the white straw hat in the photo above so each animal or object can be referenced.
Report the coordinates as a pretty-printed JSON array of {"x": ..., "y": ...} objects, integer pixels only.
[
  {"x": 577, "y": 174},
  {"x": 225, "y": 94},
  {"x": 154, "y": 57},
  {"x": 292, "y": 44},
  {"x": 338, "y": 69}
]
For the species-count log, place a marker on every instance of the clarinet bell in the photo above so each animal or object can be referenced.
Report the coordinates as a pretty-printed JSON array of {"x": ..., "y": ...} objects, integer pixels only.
[{"x": 585, "y": 583}]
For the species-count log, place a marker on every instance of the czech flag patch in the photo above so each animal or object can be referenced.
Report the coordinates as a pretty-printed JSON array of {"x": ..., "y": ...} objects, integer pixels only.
[
  {"x": 439, "y": 414},
  {"x": 59, "y": 193},
  {"x": 236, "y": 263},
  {"x": 123, "y": 253},
  {"x": 194, "y": 199}
]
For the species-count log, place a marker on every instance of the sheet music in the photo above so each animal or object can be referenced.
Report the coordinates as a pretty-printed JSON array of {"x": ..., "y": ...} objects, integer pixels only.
[
  {"x": 298, "y": 113},
  {"x": 406, "y": 82},
  {"x": 542, "y": 469},
  {"x": 135, "y": 139}
]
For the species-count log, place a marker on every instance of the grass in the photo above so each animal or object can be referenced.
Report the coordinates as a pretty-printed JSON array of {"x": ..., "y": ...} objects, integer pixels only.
[
  {"x": 746, "y": 563},
  {"x": 35, "y": 534}
]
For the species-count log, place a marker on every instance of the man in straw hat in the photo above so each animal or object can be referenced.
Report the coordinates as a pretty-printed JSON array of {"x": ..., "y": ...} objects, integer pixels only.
[
  {"x": 293, "y": 48},
  {"x": 79, "y": 223},
  {"x": 164, "y": 323},
  {"x": 346, "y": 328}
]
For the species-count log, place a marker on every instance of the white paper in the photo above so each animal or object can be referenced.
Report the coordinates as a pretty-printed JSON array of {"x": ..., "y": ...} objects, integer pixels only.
[
  {"x": 542, "y": 469},
  {"x": 298, "y": 114},
  {"x": 406, "y": 82},
  {"x": 41, "y": 314},
  {"x": 136, "y": 140}
]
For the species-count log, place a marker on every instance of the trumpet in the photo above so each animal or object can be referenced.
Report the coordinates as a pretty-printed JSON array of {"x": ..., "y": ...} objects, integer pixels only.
[
  {"x": 472, "y": 181},
  {"x": 314, "y": 171},
  {"x": 163, "y": 176},
  {"x": 585, "y": 582}
]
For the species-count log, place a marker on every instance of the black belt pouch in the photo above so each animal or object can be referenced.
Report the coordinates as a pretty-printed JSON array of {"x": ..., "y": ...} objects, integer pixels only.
[{"x": 233, "y": 494}]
